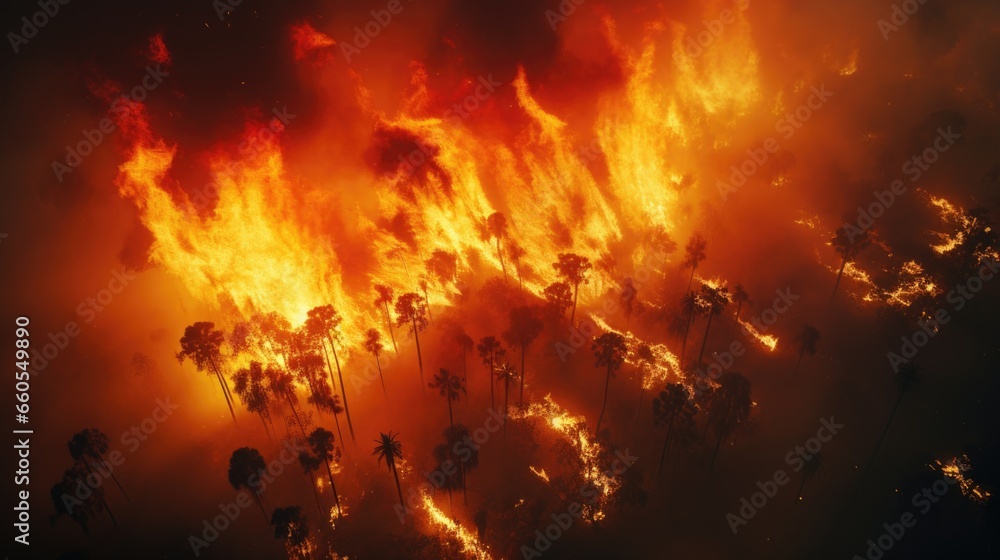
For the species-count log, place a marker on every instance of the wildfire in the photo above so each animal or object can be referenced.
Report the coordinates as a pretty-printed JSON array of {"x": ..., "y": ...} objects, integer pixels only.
[
  {"x": 540, "y": 473},
  {"x": 957, "y": 469},
  {"x": 470, "y": 544},
  {"x": 768, "y": 340}
]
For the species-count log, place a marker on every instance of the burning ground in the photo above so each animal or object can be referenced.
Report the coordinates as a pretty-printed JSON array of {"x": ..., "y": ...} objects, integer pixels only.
[{"x": 436, "y": 277}]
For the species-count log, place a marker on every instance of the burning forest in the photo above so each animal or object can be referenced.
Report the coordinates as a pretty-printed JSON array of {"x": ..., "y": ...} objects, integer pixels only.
[{"x": 501, "y": 280}]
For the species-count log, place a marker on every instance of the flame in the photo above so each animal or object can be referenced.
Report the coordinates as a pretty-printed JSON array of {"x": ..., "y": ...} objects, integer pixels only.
[
  {"x": 540, "y": 473},
  {"x": 470, "y": 544},
  {"x": 768, "y": 340},
  {"x": 956, "y": 469}
]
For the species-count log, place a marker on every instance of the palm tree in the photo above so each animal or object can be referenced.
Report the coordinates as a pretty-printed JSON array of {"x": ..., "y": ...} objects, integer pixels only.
[
  {"x": 323, "y": 324},
  {"x": 728, "y": 408},
  {"x": 383, "y": 299},
  {"x": 525, "y": 326},
  {"x": 491, "y": 351},
  {"x": 574, "y": 269},
  {"x": 282, "y": 385},
  {"x": 907, "y": 378},
  {"x": 672, "y": 403},
  {"x": 559, "y": 296},
  {"x": 310, "y": 464},
  {"x": 810, "y": 468},
  {"x": 694, "y": 254},
  {"x": 690, "y": 307},
  {"x": 202, "y": 344},
  {"x": 373, "y": 344},
  {"x": 249, "y": 385},
  {"x": 848, "y": 245},
  {"x": 308, "y": 368},
  {"x": 466, "y": 461},
  {"x": 516, "y": 252},
  {"x": 390, "y": 449},
  {"x": 740, "y": 296},
  {"x": 609, "y": 351},
  {"x": 715, "y": 301},
  {"x": 90, "y": 446},
  {"x": 807, "y": 340},
  {"x": 290, "y": 526},
  {"x": 245, "y": 465},
  {"x": 321, "y": 441},
  {"x": 496, "y": 226},
  {"x": 410, "y": 311},
  {"x": 450, "y": 387},
  {"x": 506, "y": 374}
]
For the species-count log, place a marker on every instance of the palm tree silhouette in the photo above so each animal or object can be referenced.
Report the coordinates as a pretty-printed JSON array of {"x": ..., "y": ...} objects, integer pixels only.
[
  {"x": 410, "y": 312},
  {"x": 496, "y": 225},
  {"x": 466, "y": 462},
  {"x": 559, "y": 296},
  {"x": 384, "y": 297},
  {"x": 907, "y": 379},
  {"x": 807, "y": 339},
  {"x": 848, "y": 245},
  {"x": 282, "y": 386},
  {"x": 690, "y": 307},
  {"x": 246, "y": 465},
  {"x": 290, "y": 526},
  {"x": 491, "y": 351},
  {"x": 516, "y": 252},
  {"x": 694, "y": 254},
  {"x": 450, "y": 387},
  {"x": 390, "y": 449},
  {"x": 506, "y": 374},
  {"x": 574, "y": 270},
  {"x": 310, "y": 464},
  {"x": 810, "y": 468},
  {"x": 202, "y": 344},
  {"x": 66, "y": 503},
  {"x": 525, "y": 326},
  {"x": 609, "y": 351},
  {"x": 728, "y": 408},
  {"x": 373, "y": 344},
  {"x": 672, "y": 403},
  {"x": 249, "y": 385},
  {"x": 740, "y": 296},
  {"x": 323, "y": 324},
  {"x": 715, "y": 300},
  {"x": 89, "y": 447},
  {"x": 322, "y": 443}
]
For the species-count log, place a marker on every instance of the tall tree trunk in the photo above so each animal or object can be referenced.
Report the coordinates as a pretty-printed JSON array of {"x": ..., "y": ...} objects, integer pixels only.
[
  {"x": 666, "y": 444},
  {"x": 427, "y": 302},
  {"x": 399, "y": 489},
  {"x": 382, "y": 379},
  {"x": 691, "y": 278},
  {"x": 295, "y": 413},
  {"x": 261, "y": 506},
  {"x": 503, "y": 265},
  {"x": 343, "y": 390},
  {"x": 843, "y": 264},
  {"x": 465, "y": 371},
  {"x": 881, "y": 438},
  {"x": 799, "y": 361},
  {"x": 226, "y": 395},
  {"x": 451, "y": 418},
  {"x": 107, "y": 508},
  {"x": 572, "y": 316},
  {"x": 687, "y": 329},
  {"x": 705, "y": 340},
  {"x": 506, "y": 396},
  {"x": 388, "y": 321},
  {"x": 115, "y": 479},
  {"x": 801, "y": 486},
  {"x": 607, "y": 385},
  {"x": 333, "y": 487},
  {"x": 319, "y": 505},
  {"x": 493, "y": 403},
  {"x": 420, "y": 358},
  {"x": 739, "y": 306}
]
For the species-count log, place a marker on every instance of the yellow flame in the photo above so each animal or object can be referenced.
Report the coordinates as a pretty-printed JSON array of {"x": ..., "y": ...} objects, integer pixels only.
[{"x": 470, "y": 544}]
